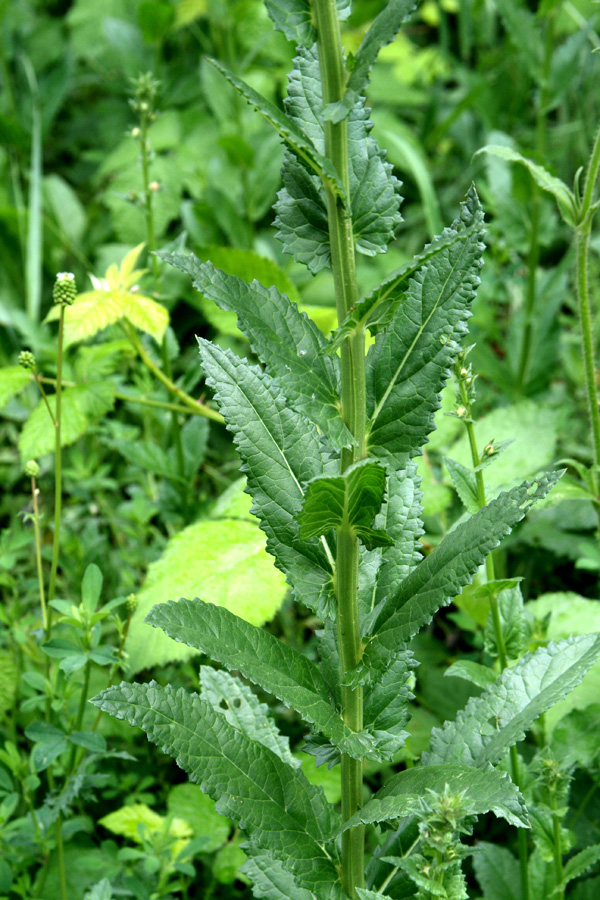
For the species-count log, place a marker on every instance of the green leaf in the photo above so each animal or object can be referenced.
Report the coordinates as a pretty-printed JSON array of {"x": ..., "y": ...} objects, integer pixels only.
[
  {"x": 471, "y": 671},
  {"x": 284, "y": 339},
  {"x": 271, "y": 880},
  {"x": 91, "y": 587},
  {"x": 287, "y": 129},
  {"x": 262, "y": 658},
  {"x": 486, "y": 790},
  {"x": 271, "y": 801},
  {"x": 247, "y": 265},
  {"x": 91, "y": 740},
  {"x": 386, "y": 712},
  {"x": 294, "y": 18},
  {"x": 383, "y": 31},
  {"x": 377, "y": 309},
  {"x": 12, "y": 381},
  {"x": 523, "y": 29},
  {"x": 465, "y": 482},
  {"x": 301, "y": 206},
  {"x": 581, "y": 862},
  {"x": 9, "y": 682},
  {"x": 188, "y": 802},
  {"x": 512, "y": 620},
  {"x": 408, "y": 363},
  {"x": 451, "y": 565},
  {"x": 94, "y": 310},
  {"x": 565, "y": 199},
  {"x": 497, "y": 872},
  {"x": 281, "y": 453},
  {"x": 225, "y": 554},
  {"x": 242, "y": 709},
  {"x": 150, "y": 457},
  {"x": 81, "y": 406},
  {"x": 400, "y": 518},
  {"x": 491, "y": 723},
  {"x": 349, "y": 501}
]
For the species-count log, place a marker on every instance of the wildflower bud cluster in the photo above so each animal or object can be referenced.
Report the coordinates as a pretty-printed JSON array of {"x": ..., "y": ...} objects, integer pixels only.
[
  {"x": 65, "y": 289},
  {"x": 27, "y": 359}
]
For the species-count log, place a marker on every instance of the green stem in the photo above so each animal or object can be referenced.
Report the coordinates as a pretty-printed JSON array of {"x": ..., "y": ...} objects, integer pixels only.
[
  {"x": 557, "y": 846},
  {"x": 353, "y": 408},
  {"x": 142, "y": 401},
  {"x": 148, "y": 201},
  {"x": 198, "y": 408},
  {"x": 38, "y": 553},
  {"x": 57, "y": 472},
  {"x": 497, "y": 625},
  {"x": 83, "y": 696},
  {"x": 38, "y": 381}
]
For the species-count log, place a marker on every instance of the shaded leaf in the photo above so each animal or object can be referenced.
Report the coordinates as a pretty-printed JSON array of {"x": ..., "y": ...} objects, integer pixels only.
[{"x": 12, "y": 381}]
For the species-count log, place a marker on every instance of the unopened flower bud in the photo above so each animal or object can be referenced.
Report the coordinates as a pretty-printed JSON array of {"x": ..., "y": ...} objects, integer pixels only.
[
  {"x": 489, "y": 450},
  {"x": 154, "y": 186},
  {"x": 461, "y": 412},
  {"x": 32, "y": 470},
  {"x": 135, "y": 133},
  {"x": 132, "y": 602},
  {"x": 65, "y": 289},
  {"x": 27, "y": 359}
]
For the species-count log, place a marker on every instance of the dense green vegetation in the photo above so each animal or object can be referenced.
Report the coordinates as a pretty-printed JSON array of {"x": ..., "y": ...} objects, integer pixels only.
[{"x": 122, "y": 489}]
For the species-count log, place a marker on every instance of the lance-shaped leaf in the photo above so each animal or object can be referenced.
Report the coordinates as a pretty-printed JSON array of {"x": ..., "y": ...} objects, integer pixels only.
[
  {"x": 301, "y": 206},
  {"x": 564, "y": 197},
  {"x": 273, "y": 802},
  {"x": 401, "y": 520},
  {"x": 440, "y": 576},
  {"x": 377, "y": 309},
  {"x": 241, "y": 707},
  {"x": 485, "y": 790},
  {"x": 284, "y": 339},
  {"x": 281, "y": 453},
  {"x": 289, "y": 132},
  {"x": 386, "y": 712},
  {"x": 262, "y": 658},
  {"x": 465, "y": 484},
  {"x": 491, "y": 723},
  {"x": 384, "y": 29},
  {"x": 348, "y": 501},
  {"x": 271, "y": 880},
  {"x": 294, "y": 18},
  {"x": 407, "y": 365}
]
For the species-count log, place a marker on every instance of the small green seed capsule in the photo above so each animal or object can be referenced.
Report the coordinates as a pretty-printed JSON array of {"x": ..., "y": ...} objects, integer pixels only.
[
  {"x": 27, "y": 359},
  {"x": 65, "y": 289},
  {"x": 32, "y": 470}
]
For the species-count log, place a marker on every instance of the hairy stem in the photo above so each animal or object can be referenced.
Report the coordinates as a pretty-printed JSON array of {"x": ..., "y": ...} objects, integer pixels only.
[
  {"x": 38, "y": 553},
  {"x": 57, "y": 472},
  {"x": 353, "y": 404}
]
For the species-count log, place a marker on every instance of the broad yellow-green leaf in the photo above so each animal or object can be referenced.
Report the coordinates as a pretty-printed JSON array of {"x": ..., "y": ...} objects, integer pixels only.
[
  {"x": 223, "y": 560},
  {"x": 81, "y": 406},
  {"x": 130, "y": 820},
  {"x": 12, "y": 380},
  {"x": 187, "y": 801}
]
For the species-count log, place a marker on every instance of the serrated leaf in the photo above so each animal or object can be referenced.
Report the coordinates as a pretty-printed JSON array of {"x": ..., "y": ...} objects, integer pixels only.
[
  {"x": 281, "y": 453},
  {"x": 497, "y": 872},
  {"x": 491, "y": 723},
  {"x": 512, "y": 620},
  {"x": 301, "y": 205},
  {"x": 273, "y": 802},
  {"x": 287, "y": 129},
  {"x": 486, "y": 790},
  {"x": 271, "y": 880},
  {"x": 294, "y": 18},
  {"x": 471, "y": 671},
  {"x": 225, "y": 553},
  {"x": 349, "y": 501},
  {"x": 248, "y": 265},
  {"x": 407, "y": 365},
  {"x": 581, "y": 862},
  {"x": 386, "y": 712},
  {"x": 564, "y": 197},
  {"x": 12, "y": 381},
  {"x": 401, "y": 520},
  {"x": 284, "y": 339},
  {"x": 81, "y": 406},
  {"x": 377, "y": 309},
  {"x": 242, "y": 709},
  {"x": 465, "y": 483},
  {"x": 383, "y": 31},
  {"x": 441, "y": 575},
  {"x": 262, "y": 658}
]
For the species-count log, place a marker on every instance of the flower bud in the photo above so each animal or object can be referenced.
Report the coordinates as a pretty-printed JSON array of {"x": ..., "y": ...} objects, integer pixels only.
[
  {"x": 65, "y": 289},
  {"x": 32, "y": 470},
  {"x": 27, "y": 359},
  {"x": 131, "y": 605}
]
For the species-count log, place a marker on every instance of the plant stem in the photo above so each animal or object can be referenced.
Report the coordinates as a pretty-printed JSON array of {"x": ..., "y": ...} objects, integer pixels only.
[
  {"x": 38, "y": 553},
  {"x": 353, "y": 404},
  {"x": 557, "y": 846},
  {"x": 79, "y": 718},
  {"x": 143, "y": 401},
  {"x": 57, "y": 472},
  {"x": 497, "y": 624},
  {"x": 188, "y": 401}
]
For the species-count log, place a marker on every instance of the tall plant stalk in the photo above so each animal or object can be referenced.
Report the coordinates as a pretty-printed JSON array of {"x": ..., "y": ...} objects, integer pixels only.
[{"x": 333, "y": 77}]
